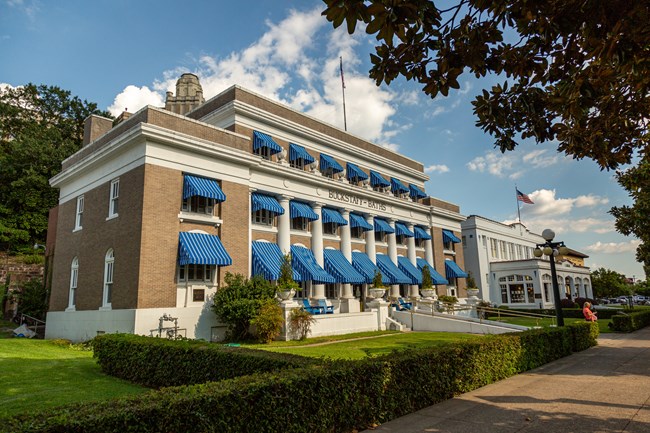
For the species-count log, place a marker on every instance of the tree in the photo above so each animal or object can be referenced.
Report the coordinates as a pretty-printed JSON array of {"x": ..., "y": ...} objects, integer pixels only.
[
  {"x": 607, "y": 283},
  {"x": 574, "y": 71},
  {"x": 40, "y": 126},
  {"x": 33, "y": 298}
]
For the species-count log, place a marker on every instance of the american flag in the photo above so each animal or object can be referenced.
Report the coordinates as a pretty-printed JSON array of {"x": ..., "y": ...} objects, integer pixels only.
[{"x": 523, "y": 197}]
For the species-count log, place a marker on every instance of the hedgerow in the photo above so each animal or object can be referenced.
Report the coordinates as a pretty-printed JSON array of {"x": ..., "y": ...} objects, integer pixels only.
[{"x": 630, "y": 321}]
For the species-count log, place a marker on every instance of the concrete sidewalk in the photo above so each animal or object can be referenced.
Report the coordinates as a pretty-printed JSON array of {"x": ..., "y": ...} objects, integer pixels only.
[{"x": 603, "y": 389}]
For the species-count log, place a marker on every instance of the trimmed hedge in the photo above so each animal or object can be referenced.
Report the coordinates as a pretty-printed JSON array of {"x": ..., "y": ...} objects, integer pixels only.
[
  {"x": 630, "y": 321},
  {"x": 332, "y": 397},
  {"x": 158, "y": 362}
]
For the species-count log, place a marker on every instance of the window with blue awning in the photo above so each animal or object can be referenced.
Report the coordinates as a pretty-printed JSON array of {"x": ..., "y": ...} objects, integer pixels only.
[
  {"x": 338, "y": 266},
  {"x": 354, "y": 173},
  {"x": 409, "y": 269},
  {"x": 203, "y": 187},
  {"x": 305, "y": 265},
  {"x": 262, "y": 201},
  {"x": 266, "y": 260},
  {"x": 201, "y": 249},
  {"x": 329, "y": 164},
  {"x": 397, "y": 186},
  {"x": 366, "y": 267},
  {"x": 449, "y": 236},
  {"x": 302, "y": 210},
  {"x": 390, "y": 269},
  {"x": 402, "y": 230},
  {"x": 421, "y": 233},
  {"x": 383, "y": 226},
  {"x": 357, "y": 220},
  {"x": 377, "y": 180},
  {"x": 436, "y": 278},
  {"x": 333, "y": 216},
  {"x": 453, "y": 270},
  {"x": 298, "y": 152},
  {"x": 416, "y": 193},
  {"x": 262, "y": 140}
]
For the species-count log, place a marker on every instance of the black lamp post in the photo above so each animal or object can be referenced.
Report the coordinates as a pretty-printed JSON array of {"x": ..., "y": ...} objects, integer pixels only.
[{"x": 552, "y": 249}]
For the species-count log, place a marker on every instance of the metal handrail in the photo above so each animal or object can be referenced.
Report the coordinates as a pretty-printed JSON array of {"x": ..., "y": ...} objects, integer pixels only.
[
  {"x": 33, "y": 319},
  {"x": 499, "y": 312}
]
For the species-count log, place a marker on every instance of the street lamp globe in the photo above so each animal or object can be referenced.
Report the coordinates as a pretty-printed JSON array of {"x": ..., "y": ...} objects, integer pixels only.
[
  {"x": 548, "y": 234},
  {"x": 537, "y": 252},
  {"x": 548, "y": 250},
  {"x": 564, "y": 250}
]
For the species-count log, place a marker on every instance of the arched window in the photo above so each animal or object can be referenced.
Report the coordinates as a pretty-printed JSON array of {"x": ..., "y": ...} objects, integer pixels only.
[
  {"x": 517, "y": 289},
  {"x": 74, "y": 276},
  {"x": 108, "y": 279}
]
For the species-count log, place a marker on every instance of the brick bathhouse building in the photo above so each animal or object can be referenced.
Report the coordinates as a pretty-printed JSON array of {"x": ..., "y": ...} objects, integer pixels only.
[{"x": 158, "y": 205}]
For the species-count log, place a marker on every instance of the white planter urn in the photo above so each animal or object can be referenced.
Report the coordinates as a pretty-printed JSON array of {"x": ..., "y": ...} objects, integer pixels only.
[
  {"x": 376, "y": 293},
  {"x": 472, "y": 293},
  {"x": 429, "y": 293},
  {"x": 286, "y": 295}
]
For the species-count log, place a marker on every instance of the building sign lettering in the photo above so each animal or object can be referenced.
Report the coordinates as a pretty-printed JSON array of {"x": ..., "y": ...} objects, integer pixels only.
[{"x": 346, "y": 198}]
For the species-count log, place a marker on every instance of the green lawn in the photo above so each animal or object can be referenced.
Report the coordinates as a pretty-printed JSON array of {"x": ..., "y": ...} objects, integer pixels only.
[
  {"x": 380, "y": 345},
  {"x": 38, "y": 374},
  {"x": 526, "y": 321}
]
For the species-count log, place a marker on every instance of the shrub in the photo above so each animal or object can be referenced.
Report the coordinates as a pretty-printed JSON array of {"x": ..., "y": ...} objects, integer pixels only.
[
  {"x": 448, "y": 302},
  {"x": 268, "y": 323},
  {"x": 239, "y": 302},
  {"x": 568, "y": 303},
  {"x": 157, "y": 362},
  {"x": 630, "y": 321},
  {"x": 581, "y": 302},
  {"x": 32, "y": 298},
  {"x": 366, "y": 392},
  {"x": 300, "y": 322}
]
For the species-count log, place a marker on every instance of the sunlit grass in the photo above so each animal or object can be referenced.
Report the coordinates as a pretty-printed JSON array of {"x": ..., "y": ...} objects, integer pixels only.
[
  {"x": 38, "y": 374},
  {"x": 546, "y": 322}
]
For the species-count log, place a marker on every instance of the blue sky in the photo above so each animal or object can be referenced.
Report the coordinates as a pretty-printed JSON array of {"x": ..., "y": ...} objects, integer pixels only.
[{"x": 124, "y": 54}]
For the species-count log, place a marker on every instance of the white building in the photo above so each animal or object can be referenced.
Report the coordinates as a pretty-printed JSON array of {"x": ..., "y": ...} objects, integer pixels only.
[{"x": 500, "y": 259}]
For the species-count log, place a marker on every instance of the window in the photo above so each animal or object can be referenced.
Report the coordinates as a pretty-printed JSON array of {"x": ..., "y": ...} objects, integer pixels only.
[
  {"x": 419, "y": 242},
  {"x": 264, "y": 152},
  {"x": 114, "y": 198},
  {"x": 331, "y": 291},
  {"x": 356, "y": 232},
  {"x": 198, "y": 295},
  {"x": 380, "y": 237},
  {"x": 330, "y": 228},
  {"x": 493, "y": 248},
  {"x": 448, "y": 245},
  {"x": 300, "y": 223},
  {"x": 502, "y": 244},
  {"x": 108, "y": 279},
  {"x": 547, "y": 281},
  {"x": 511, "y": 250},
  {"x": 298, "y": 163},
  {"x": 400, "y": 239},
  {"x": 198, "y": 204},
  {"x": 74, "y": 276},
  {"x": 193, "y": 272},
  {"x": 264, "y": 217},
  {"x": 464, "y": 241},
  {"x": 504, "y": 293},
  {"x": 80, "y": 212}
]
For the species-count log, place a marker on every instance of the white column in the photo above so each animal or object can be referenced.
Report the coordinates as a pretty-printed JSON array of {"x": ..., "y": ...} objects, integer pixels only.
[
  {"x": 284, "y": 226},
  {"x": 346, "y": 249},
  {"x": 428, "y": 249},
  {"x": 392, "y": 253},
  {"x": 370, "y": 240},
  {"x": 414, "y": 292},
  {"x": 317, "y": 247}
]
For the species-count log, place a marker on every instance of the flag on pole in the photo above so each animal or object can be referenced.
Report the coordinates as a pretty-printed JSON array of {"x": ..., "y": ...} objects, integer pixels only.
[
  {"x": 342, "y": 79},
  {"x": 523, "y": 197}
]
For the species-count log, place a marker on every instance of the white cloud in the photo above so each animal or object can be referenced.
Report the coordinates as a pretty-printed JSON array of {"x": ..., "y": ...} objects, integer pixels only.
[
  {"x": 546, "y": 203},
  {"x": 30, "y": 7},
  {"x": 513, "y": 165},
  {"x": 132, "y": 98},
  {"x": 613, "y": 247},
  {"x": 566, "y": 225},
  {"x": 438, "y": 169},
  {"x": 284, "y": 65},
  {"x": 496, "y": 164},
  {"x": 540, "y": 159}
]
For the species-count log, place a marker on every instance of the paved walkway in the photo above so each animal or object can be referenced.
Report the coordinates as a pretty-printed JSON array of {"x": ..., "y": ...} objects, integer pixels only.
[{"x": 603, "y": 389}]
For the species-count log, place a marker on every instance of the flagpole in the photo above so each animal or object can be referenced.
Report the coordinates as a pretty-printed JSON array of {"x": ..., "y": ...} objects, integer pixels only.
[
  {"x": 345, "y": 120},
  {"x": 521, "y": 233}
]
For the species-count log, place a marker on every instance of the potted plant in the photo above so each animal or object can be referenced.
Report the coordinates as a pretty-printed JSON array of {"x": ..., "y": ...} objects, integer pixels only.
[
  {"x": 286, "y": 287},
  {"x": 472, "y": 290},
  {"x": 427, "y": 290},
  {"x": 377, "y": 289},
  {"x": 448, "y": 302}
]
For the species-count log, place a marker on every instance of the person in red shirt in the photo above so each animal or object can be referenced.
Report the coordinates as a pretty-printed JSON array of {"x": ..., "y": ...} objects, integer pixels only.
[{"x": 590, "y": 316}]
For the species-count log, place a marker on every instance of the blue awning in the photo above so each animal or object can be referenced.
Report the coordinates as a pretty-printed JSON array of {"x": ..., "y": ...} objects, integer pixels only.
[
  {"x": 453, "y": 270},
  {"x": 415, "y": 192},
  {"x": 354, "y": 173},
  {"x": 193, "y": 185},
  {"x": 366, "y": 267},
  {"x": 298, "y": 152},
  {"x": 357, "y": 220},
  {"x": 333, "y": 216},
  {"x": 383, "y": 226},
  {"x": 435, "y": 275},
  {"x": 302, "y": 210},
  {"x": 390, "y": 269},
  {"x": 305, "y": 265},
  {"x": 376, "y": 179},
  {"x": 421, "y": 233},
  {"x": 201, "y": 249},
  {"x": 338, "y": 266},
  {"x": 409, "y": 269},
  {"x": 449, "y": 236},
  {"x": 261, "y": 139},
  {"x": 262, "y": 201},
  {"x": 401, "y": 229},
  {"x": 329, "y": 163},
  {"x": 267, "y": 258},
  {"x": 397, "y": 186}
]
